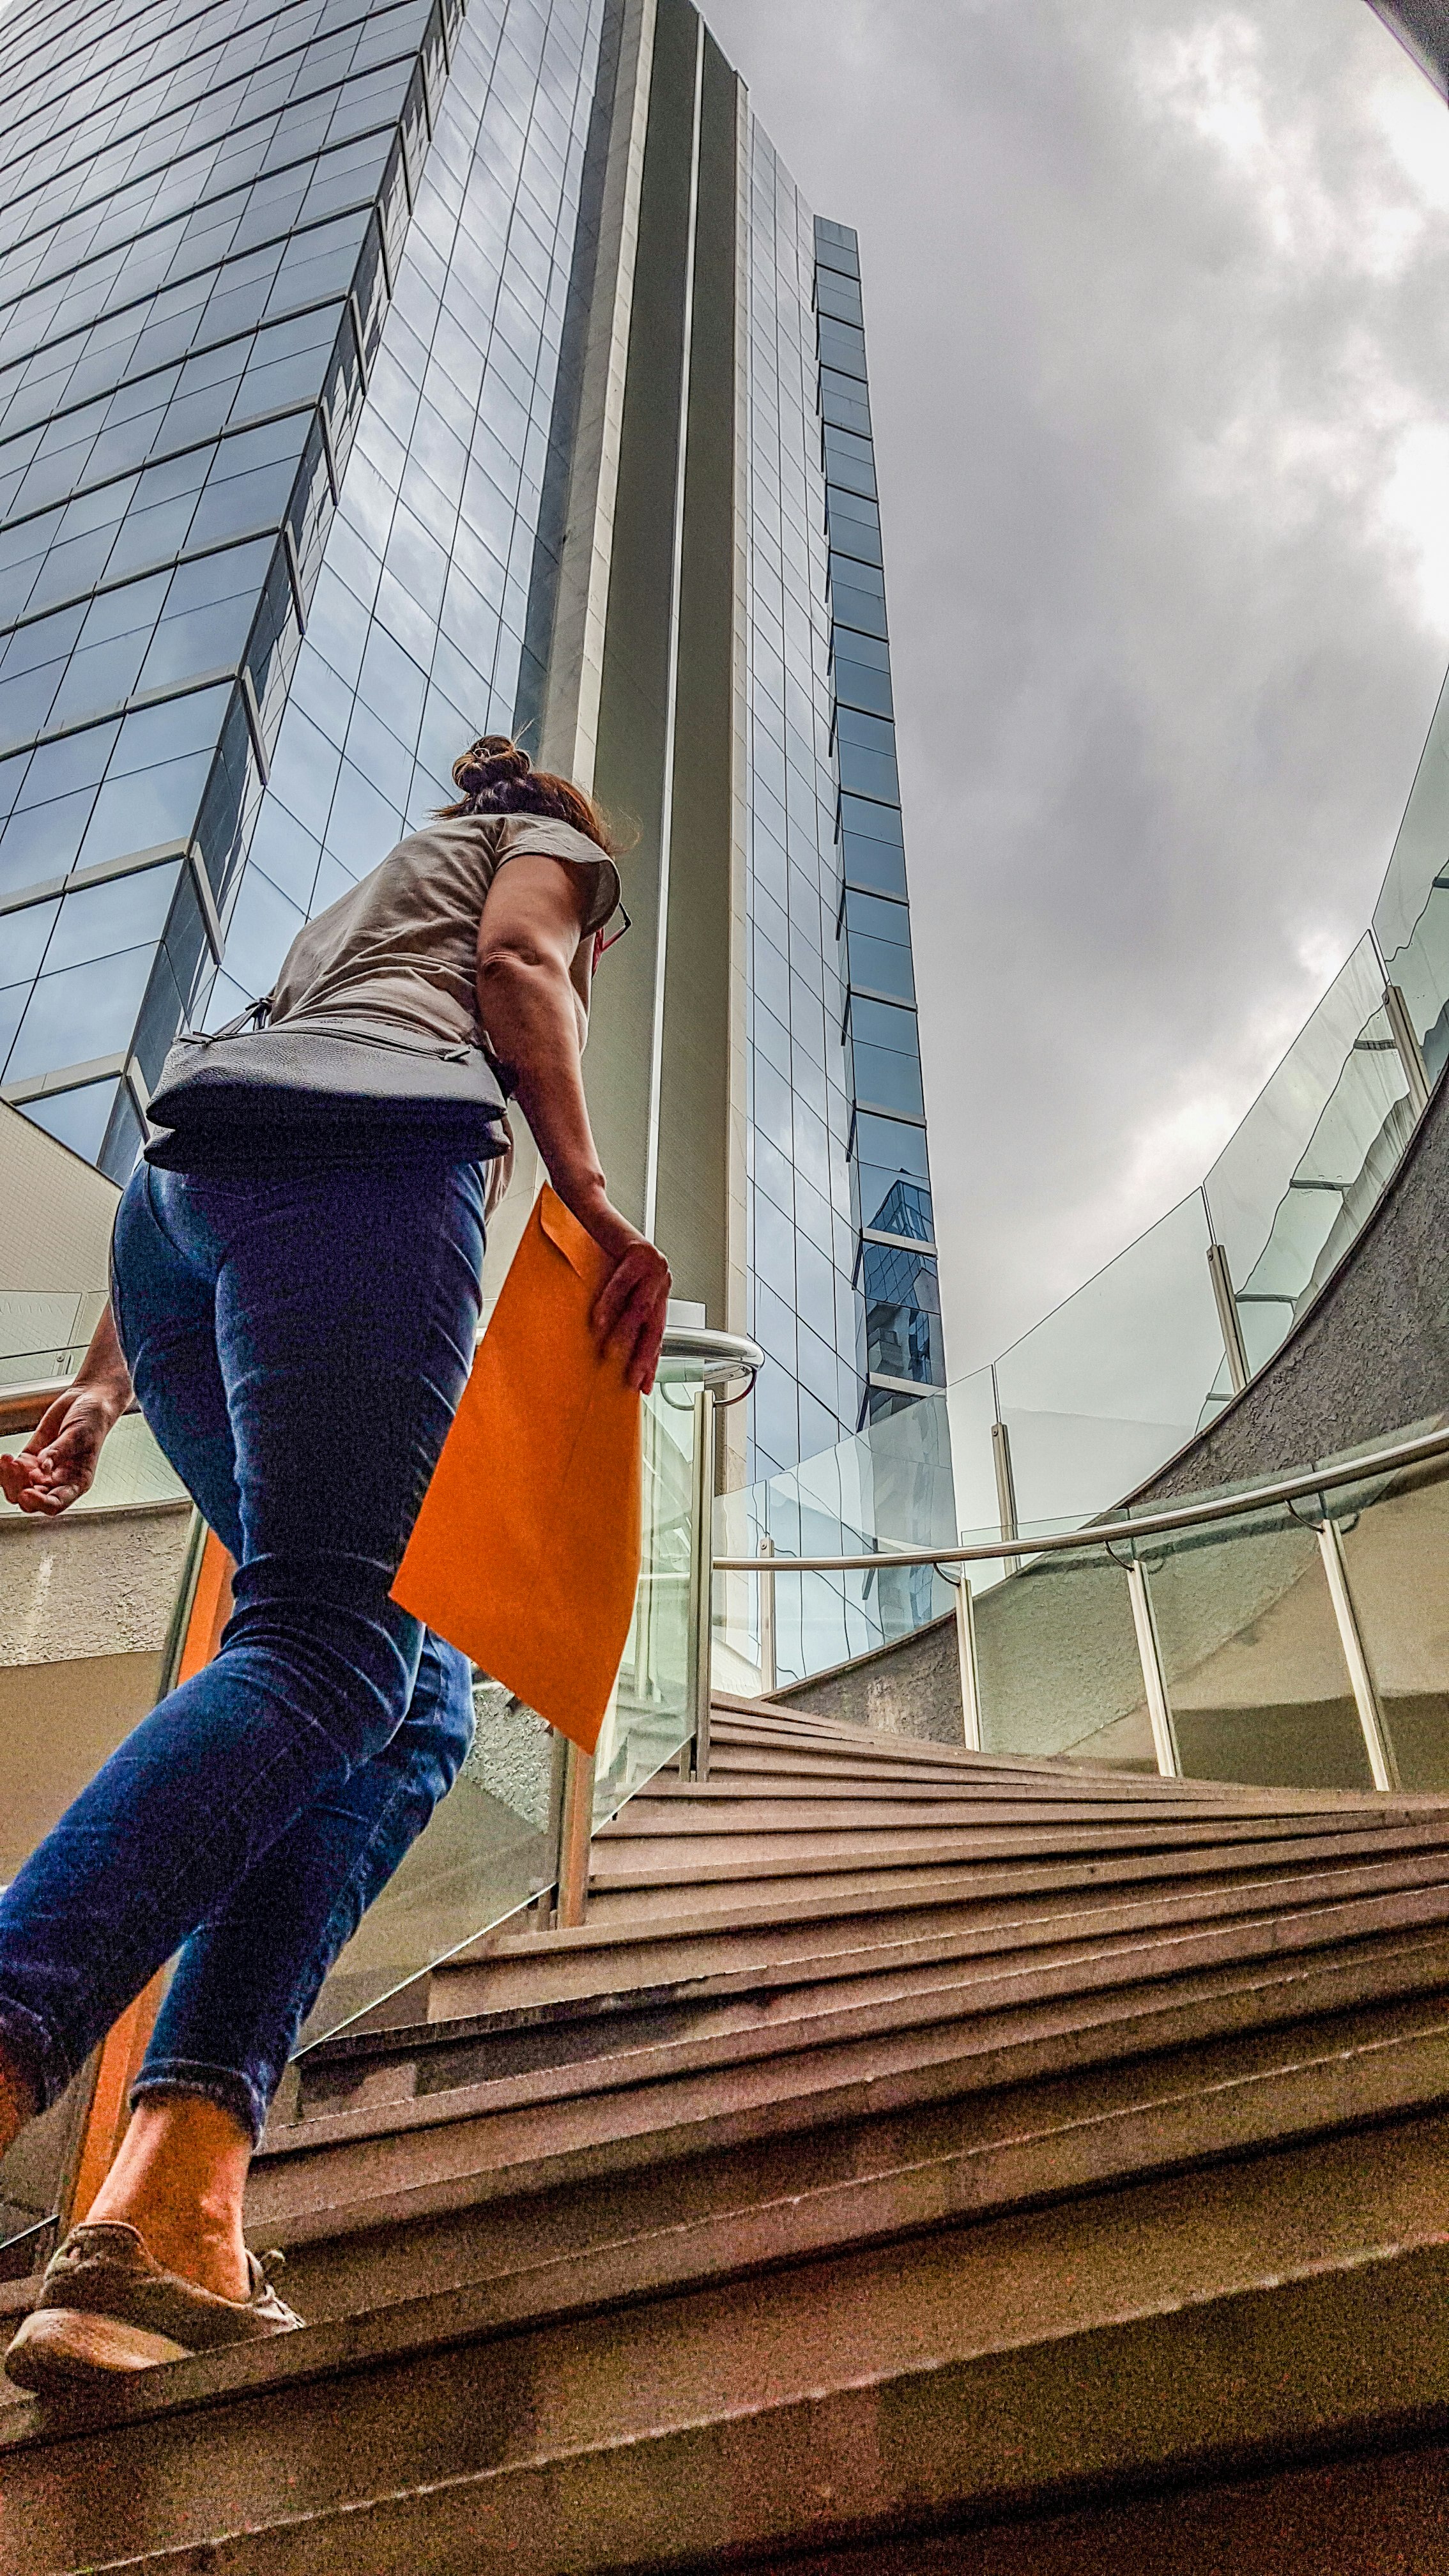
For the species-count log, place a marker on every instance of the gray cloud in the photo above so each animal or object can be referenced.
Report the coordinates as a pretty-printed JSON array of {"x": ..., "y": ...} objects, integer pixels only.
[{"x": 1157, "y": 299}]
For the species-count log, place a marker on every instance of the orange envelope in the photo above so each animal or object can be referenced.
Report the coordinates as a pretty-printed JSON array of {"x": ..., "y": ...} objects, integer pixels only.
[{"x": 526, "y": 1551}]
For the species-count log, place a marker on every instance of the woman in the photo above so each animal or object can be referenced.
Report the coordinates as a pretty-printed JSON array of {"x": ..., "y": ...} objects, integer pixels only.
[{"x": 298, "y": 1339}]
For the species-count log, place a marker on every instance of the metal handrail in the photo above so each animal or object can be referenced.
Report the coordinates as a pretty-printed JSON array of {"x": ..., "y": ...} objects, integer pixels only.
[
  {"x": 1222, "y": 1507},
  {"x": 722, "y": 1355},
  {"x": 719, "y": 1357}
]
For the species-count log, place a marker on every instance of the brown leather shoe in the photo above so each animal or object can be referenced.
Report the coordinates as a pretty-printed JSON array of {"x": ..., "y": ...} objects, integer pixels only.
[{"x": 106, "y": 2305}]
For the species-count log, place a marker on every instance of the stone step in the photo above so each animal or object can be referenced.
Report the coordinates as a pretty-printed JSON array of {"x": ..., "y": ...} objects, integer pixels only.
[
  {"x": 406, "y": 2161},
  {"x": 752, "y": 1722},
  {"x": 506, "y": 2191},
  {"x": 687, "y": 1992},
  {"x": 935, "y": 1999},
  {"x": 825, "y": 1743},
  {"x": 835, "y": 2372},
  {"x": 731, "y": 1761},
  {"x": 667, "y": 1811},
  {"x": 616, "y": 1950},
  {"x": 649, "y": 1864}
]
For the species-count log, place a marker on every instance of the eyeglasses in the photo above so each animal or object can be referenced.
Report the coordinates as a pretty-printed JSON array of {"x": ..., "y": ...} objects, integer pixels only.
[{"x": 605, "y": 940}]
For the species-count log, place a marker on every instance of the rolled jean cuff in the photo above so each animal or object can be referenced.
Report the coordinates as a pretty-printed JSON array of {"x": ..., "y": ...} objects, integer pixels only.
[
  {"x": 42, "y": 2062},
  {"x": 225, "y": 2085}
]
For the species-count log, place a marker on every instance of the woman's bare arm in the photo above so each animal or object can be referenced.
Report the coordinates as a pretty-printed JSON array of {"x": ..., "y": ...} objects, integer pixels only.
[
  {"x": 58, "y": 1462},
  {"x": 528, "y": 940}
]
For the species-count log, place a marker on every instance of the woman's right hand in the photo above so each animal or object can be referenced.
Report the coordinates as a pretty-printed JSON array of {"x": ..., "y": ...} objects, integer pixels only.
[
  {"x": 630, "y": 1309},
  {"x": 59, "y": 1461}
]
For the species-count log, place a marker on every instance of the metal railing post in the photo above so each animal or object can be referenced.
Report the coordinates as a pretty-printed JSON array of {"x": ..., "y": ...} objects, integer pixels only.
[
  {"x": 1005, "y": 1489},
  {"x": 545, "y": 1903},
  {"x": 1149, "y": 1656},
  {"x": 1230, "y": 1322},
  {"x": 768, "y": 1669},
  {"x": 576, "y": 1832},
  {"x": 969, "y": 1668},
  {"x": 1382, "y": 1767},
  {"x": 1411, "y": 1054},
  {"x": 701, "y": 1579}
]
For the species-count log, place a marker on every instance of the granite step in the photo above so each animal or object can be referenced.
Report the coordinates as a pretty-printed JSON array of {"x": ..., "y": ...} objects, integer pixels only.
[
  {"x": 619, "y": 1953},
  {"x": 750, "y": 2391},
  {"x": 910, "y": 2138}
]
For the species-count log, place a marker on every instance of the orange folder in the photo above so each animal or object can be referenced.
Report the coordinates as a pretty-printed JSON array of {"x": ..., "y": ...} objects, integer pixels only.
[{"x": 526, "y": 1551}]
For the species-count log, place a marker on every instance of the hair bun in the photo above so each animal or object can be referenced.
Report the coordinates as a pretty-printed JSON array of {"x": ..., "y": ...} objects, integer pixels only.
[{"x": 491, "y": 763}]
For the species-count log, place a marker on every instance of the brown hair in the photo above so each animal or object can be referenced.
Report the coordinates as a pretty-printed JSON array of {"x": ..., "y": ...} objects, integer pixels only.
[{"x": 496, "y": 777}]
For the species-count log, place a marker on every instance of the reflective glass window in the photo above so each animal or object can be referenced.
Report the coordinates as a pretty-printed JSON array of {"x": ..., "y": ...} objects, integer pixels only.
[
  {"x": 893, "y": 1154},
  {"x": 140, "y": 810},
  {"x": 860, "y": 683},
  {"x": 82, "y": 1012},
  {"x": 96, "y": 921},
  {"x": 76, "y": 1118},
  {"x": 40, "y": 841},
  {"x": 23, "y": 938}
]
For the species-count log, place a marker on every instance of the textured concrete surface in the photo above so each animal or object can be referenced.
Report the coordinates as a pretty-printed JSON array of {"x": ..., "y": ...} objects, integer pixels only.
[
  {"x": 913, "y": 1688},
  {"x": 1370, "y": 1358},
  {"x": 512, "y": 1752},
  {"x": 88, "y": 1586}
]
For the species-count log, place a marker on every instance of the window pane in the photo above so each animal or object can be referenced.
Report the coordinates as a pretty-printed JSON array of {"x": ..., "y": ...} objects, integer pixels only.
[
  {"x": 76, "y": 1118},
  {"x": 140, "y": 812},
  {"x": 86, "y": 1011},
  {"x": 23, "y": 938},
  {"x": 101, "y": 919}
]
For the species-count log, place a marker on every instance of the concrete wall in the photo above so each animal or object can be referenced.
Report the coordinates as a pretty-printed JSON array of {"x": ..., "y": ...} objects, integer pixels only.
[{"x": 913, "y": 1688}]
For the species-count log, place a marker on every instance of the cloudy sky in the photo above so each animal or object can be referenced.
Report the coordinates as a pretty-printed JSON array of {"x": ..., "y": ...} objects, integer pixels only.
[{"x": 1157, "y": 305}]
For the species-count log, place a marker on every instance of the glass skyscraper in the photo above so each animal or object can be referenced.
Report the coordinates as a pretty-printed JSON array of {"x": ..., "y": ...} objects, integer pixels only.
[{"x": 375, "y": 376}]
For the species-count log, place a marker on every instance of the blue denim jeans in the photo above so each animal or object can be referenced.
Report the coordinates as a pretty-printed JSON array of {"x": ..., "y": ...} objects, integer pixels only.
[{"x": 298, "y": 1347}]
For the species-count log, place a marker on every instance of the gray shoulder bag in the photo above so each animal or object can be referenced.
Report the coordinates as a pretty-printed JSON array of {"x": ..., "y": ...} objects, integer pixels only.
[{"x": 250, "y": 1099}]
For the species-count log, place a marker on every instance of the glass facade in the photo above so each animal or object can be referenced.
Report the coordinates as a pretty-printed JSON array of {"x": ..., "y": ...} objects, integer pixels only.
[
  {"x": 895, "y": 1254},
  {"x": 804, "y": 1312},
  {"x": 308, "y": 317},
  {"x": 203, "y": 215},
  {"x": 415, "y": 637}
]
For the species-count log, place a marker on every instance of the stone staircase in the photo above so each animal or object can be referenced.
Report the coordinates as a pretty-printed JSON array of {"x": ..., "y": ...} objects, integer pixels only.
[{"x": 920, "y": 2160}]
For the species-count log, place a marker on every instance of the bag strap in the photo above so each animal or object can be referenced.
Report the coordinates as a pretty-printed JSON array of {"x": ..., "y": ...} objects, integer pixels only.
[{"x": 254, "y": 1015}]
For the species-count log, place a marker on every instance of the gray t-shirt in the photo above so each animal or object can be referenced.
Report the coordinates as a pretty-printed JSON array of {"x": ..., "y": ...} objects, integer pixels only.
[{"x": 401, "y": 947}]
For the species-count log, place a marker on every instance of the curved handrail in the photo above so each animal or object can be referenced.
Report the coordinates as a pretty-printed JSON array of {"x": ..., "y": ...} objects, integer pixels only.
[
  {"x": 723, "y": 1355},
  {"x": 1222, "y": 1507}
]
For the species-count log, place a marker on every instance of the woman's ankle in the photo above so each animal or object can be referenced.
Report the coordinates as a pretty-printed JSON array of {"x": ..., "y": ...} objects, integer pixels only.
[
  {"x": 178, "y": 2180},
  {"x": 211, "y": 2258}
]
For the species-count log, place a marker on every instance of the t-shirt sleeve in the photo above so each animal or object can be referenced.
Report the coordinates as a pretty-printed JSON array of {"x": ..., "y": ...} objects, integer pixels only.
[{"x": 538, "y": 836}]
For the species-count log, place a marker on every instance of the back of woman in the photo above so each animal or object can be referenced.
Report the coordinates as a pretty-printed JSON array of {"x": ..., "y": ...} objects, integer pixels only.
[{"x": 295, "y": 1298}]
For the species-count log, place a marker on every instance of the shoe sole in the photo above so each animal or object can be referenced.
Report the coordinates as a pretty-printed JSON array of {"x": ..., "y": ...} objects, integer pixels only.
[{"x": 66, "y": 2348}]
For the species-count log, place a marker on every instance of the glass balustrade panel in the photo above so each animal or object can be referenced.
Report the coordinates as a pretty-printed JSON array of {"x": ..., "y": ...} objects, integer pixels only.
[
  {"x": 971, "y": 1407},
  {"x": 491, "y": 1844},
  {"x": 44, "y": 1333},
  {"x": 890, "y": 1485},
  {"x": 1396, "y": 1549},
  {"x": 1104, "y": 1389},
  {"x": 1250, "y": 1182},
  {"x": 88, "y": 1604},
  {"x": 1255, "y": 1675},
  {"x": 1411, "y": 917},
  {"x": 1347, "y": 1164},
  {"x": 651, "y": 1715},
  {"x": 1058, "y": 1667}
]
